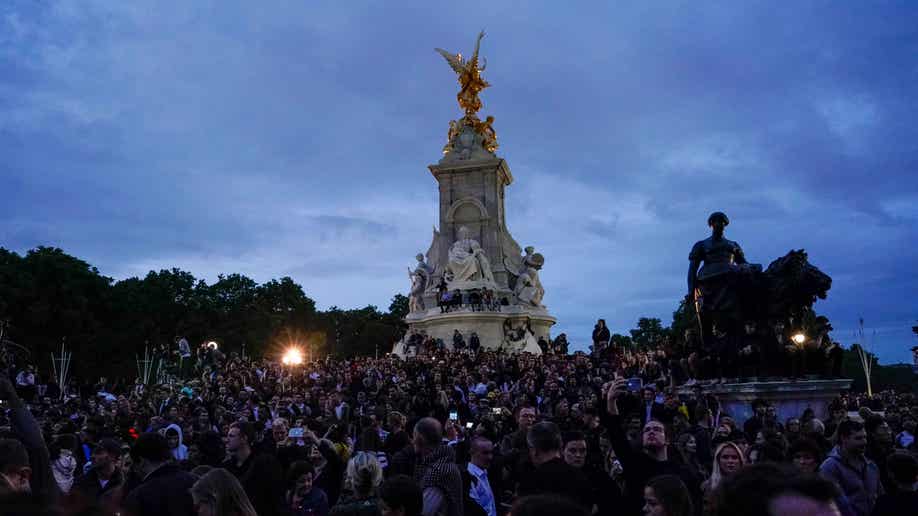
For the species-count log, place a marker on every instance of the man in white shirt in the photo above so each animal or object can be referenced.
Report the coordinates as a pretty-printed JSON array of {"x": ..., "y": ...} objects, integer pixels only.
[{"x": 482, "y": 453}]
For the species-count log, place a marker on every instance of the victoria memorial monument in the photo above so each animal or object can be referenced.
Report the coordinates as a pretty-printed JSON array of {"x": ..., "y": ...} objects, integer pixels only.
[{"x": 474, "y": 276}]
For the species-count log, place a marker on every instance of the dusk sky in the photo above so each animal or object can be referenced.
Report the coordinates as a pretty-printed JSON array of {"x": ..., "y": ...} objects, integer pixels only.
[{"x": 293, "y": 138}]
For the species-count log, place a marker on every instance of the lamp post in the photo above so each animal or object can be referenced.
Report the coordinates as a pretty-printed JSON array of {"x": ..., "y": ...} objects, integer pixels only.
[{"x": 292, "y": 358}]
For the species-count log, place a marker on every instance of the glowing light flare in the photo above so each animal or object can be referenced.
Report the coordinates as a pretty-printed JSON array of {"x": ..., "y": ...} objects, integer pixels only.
[
  {"x": 292, "y": 357},
  {"x": 212, "y": 345},
  {"x": 798, "y": 338}
]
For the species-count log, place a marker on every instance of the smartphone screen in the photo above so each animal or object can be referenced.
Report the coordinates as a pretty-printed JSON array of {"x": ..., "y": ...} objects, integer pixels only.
[
  {"x": 454, "y": 416},
  {"x": 635, "y": 384},
  {"x": 469, "y": 425}
]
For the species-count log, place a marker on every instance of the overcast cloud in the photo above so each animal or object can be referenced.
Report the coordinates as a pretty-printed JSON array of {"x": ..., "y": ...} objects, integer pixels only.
[{"x": 287, "y": 138}]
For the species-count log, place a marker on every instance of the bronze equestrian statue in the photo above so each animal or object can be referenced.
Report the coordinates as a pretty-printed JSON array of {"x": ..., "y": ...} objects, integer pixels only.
[{"x": 729, "y": 294}]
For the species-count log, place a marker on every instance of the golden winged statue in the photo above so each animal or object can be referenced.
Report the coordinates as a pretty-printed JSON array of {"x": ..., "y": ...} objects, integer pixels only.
[{"x": 469, "y": 78}]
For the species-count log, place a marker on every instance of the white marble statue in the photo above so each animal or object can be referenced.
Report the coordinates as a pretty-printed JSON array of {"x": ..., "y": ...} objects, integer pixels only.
[
  {"x": 529, "y": 289},
  {"x": 416, "y": 295},
  {"x": 400, "y": 349},
  {"x": 520, "y": 340},
  {"x": 518, "y": 267},
  {"x": 468, "y": 264},
  {"x": 420, "y": 281}
]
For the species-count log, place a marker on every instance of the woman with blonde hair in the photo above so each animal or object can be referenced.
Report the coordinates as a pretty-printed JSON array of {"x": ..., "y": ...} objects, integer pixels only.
[
  {"x": 218, "y": 493},
  {"x": 361, "y": 481},
  {"x": 728, "y": 460}
]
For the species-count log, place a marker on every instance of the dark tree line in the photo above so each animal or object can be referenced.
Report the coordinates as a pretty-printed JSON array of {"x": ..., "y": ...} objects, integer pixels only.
[{"x": 47, "y": 295}]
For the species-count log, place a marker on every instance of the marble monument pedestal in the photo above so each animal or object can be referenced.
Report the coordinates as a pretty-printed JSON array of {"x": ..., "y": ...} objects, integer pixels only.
[
  {"x": 790, "y": 398},
  {"x": 488, "y": 325}
]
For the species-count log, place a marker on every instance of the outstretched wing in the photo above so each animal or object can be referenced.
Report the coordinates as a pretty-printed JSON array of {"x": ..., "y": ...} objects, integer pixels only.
[
  {"x": 474, "y": 58},
  {"x": 434, "y": 253},
  {"x": 454, "y": 60}
]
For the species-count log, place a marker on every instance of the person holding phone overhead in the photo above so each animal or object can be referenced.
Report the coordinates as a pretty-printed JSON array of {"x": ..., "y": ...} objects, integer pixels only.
[{"x": 640, "y": 466}]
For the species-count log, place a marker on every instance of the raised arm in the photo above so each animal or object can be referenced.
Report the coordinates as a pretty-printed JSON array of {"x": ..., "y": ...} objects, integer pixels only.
[
  {"x": 27, "y": 431},
  {"x": 612, "y": 420}
]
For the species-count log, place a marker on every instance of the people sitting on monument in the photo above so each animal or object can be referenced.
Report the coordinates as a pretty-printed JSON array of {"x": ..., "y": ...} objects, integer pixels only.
[
  {"x": 442, "y": 289},
  {"x": 487, "y": 299},
  {"x": 475, "y": 300},
  {"x": 443, "y": 300},
  {"x": 456, "y": 300}
]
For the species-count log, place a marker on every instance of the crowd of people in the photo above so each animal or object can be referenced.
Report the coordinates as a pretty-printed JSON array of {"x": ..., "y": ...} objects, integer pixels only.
[
  {"x": 445, "y": 432},
  {"x": 420, "y": 342}
]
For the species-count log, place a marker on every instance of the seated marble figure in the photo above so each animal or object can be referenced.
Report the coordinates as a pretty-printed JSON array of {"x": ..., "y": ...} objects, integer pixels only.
[{"x": 468, "y": 264}]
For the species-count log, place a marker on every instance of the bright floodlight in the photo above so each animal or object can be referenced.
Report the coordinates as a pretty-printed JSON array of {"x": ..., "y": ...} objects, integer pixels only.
[
  {"x": 292, "y": 357},
  {"x": 799, "y": 338},
  {"x": 212, "y": 345}
]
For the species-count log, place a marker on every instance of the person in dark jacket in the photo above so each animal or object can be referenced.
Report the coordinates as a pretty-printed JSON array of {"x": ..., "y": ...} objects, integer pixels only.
[
  {"x": 398, "y": 438},
  {"x": 104, "y": 475},
  {"x": 264, "y": 485},
  {"x": 302, "y": 497},
  {"x": 902, "y": 498},
  {"x": 856, "y": 476},
  {"x": 641, "y": 466},
  {"x": 164, "y": 490},
  {"x": 36, "y": 471},
  {"x": 601, "y": 335},
  {"x": 329, "y": 468},
  {"x": 239, "y": 441},
  {"x": 552, "y": 475}
]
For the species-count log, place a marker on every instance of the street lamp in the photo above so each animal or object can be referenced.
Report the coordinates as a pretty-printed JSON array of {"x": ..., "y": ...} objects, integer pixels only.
[
  {"x": 293, "y": 357},
  {"x": 798, "y": 338}
]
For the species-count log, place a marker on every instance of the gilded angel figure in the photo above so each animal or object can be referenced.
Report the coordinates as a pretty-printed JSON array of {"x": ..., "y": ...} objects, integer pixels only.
[{"x": 469, "y": 75}]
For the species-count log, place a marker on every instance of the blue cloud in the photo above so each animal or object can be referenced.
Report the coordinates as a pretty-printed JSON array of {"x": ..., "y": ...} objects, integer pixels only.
[{"x": 294, "y": 139}]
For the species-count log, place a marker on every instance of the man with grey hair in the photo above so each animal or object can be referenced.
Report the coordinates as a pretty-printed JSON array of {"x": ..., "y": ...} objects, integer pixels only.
[
  {"x": 551, "y": 473},
  {"x": 436, "y": 470}
]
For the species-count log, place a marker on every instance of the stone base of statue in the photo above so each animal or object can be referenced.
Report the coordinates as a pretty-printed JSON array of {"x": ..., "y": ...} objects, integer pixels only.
[
  {"x": 507, "y": 329},
  {"x": 790, "y": 398},
  {"x": 474, "y": 260}
]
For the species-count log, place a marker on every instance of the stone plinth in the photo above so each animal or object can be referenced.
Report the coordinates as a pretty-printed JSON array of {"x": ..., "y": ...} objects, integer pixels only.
[
  {"x": 488, "y": 325},
  {"x": 472, "y": 196},
  {"x": 790, "y": 398}
]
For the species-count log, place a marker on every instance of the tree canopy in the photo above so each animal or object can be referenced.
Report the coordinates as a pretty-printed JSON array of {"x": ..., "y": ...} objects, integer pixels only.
[{"x": 47, "y": 295}]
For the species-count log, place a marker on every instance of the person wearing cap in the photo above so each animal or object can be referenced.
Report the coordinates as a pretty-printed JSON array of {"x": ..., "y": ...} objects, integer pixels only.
[
  {"x": 104, "y": 474},
  {"x": 165, "y": 488}
]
